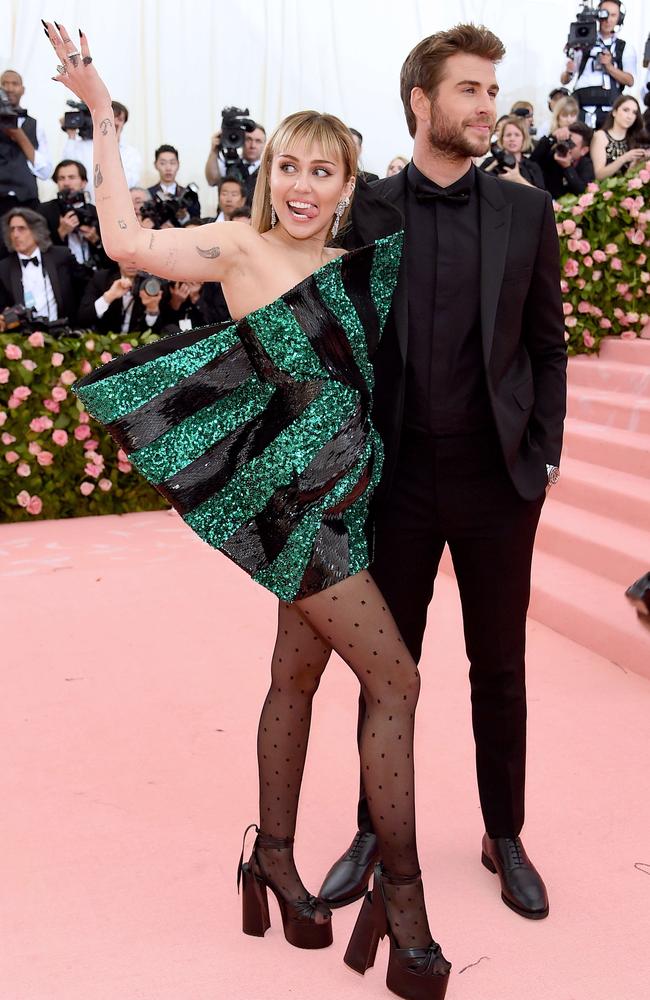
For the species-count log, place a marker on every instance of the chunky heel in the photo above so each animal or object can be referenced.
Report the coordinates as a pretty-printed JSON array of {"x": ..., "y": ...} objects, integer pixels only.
[
  {"x": 255, "y": 904},
  {"x": 411, "y": 974},
  {"x": 361, "y": 951},
  {"x": 488, "y": 862}
]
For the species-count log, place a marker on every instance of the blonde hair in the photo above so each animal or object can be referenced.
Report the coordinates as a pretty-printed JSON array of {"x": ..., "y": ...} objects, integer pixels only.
[
  {"x": 312, "y": 128},
  {"x": 563, "y": 107},
  {"x": 519, "y": 123}
]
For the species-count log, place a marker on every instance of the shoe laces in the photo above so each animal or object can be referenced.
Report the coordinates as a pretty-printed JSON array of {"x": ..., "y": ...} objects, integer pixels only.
[
  {"x": 515, "y": 848},
  {"x": 355, "y": 847}
]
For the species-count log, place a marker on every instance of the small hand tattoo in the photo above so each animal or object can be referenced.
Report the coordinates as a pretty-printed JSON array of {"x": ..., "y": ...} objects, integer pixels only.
[
  {"x": 98, "y": 177},
  {"x": 104, "y": 125},
  {"x": 74, "y": 59},
  {"x": 210, "y": 254},
  {"x": 122, "y": 224}
]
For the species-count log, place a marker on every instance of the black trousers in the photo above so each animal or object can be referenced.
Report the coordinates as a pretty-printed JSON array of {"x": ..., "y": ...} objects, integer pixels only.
[{"x": 456, "y": 490}]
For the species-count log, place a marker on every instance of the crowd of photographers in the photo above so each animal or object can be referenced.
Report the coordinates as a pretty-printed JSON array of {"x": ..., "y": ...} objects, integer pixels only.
[{"x": 54, "y": 270}]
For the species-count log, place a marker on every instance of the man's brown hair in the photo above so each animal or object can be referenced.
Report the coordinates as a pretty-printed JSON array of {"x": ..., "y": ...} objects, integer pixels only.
[{"x": 425, "y": 64}]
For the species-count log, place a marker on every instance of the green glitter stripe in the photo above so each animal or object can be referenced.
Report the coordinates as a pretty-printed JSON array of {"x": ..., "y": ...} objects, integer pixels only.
[
  {"x": 292, "y": 450},
  {"x": 385, "y": 269},
  {"x": 332, "y": 291},
  {"x": 118, "y": 395},
  {"x": 284, "y": 575},
  {"x": 285, "y": 341},
  {"x": 176, "y": 448}
]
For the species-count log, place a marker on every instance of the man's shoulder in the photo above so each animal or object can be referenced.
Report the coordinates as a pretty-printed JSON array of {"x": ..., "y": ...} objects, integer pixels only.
[
  {"x": 520, "y": 196},
  {"x": 59, "y": 255}
]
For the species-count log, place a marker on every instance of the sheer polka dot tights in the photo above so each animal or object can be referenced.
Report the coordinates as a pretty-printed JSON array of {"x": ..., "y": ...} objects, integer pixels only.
[{"x": 353, "y": 619}]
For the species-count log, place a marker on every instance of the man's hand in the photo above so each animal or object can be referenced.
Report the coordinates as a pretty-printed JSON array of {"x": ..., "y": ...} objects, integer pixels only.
[
  {"x": 562, "y": 134},
  {"x": 90, "y": 234},
  {"x": 195, "y": 290},
  {"x": 215, "y": 142},
  {"x": 67, "y": 224},
  {"x": 13, "y": 133},
  {"x": 570, "y": 67},
  {"x": 151, "y": 303},
  {"x": 178, "y": 293},
  {"x": 563, "y": 161},
  {"x": 606, "y": 61},
  {"x": 119, "y": 288},
  {"x": 512, "y": 174}
]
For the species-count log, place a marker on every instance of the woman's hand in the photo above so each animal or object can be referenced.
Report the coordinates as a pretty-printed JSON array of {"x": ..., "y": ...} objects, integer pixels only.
[
  {"x": 75, "y": 70},
  {"x": 634, "y": 155}
]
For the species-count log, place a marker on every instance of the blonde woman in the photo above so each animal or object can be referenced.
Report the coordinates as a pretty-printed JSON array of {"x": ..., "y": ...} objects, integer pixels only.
[
  {"x": 259, "y": 432},
  {"x": 396, "y": 165},
  {"x": 565, "y": 113}
]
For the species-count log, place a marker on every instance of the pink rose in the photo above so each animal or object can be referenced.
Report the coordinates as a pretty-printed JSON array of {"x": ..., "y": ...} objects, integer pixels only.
[
  {"x": 12, "y": 456},
  {"x": 57, "y": 359},
  {"x": 613, "y": 211},
  {"x": 605, "y": 324},
  {"x": 28, "y": 365},
  {"x": 569, "y": 226},
  {"x": 580, "y": 283},
  {"x": 573, "y": 245},
  {"x": 634, "y": 184},
  {"x": 35, "y": 505},
  {"x": 36, "y": 339},
  {"x": 81, "y": 432},
  {"x": 86, "y": 367},
  {"x": 13, "y": 352},
  {"x": 90, "y": 345},
  {"x": 122, "y": 455},
  {"x": 587, "y": 339},
  {"x": 616, "y": 264},
  {"x": 622, "y": 288},
  {"x": 641, "y": 259},
  {"x": 4, "y": 376},
  {"x": 59, "y": 394},
  {"x": 105, "y": 357},
  {"x": 568, "y": 308},
  {"x": 576, "y": 210},
  {"x": 571, "y": 321},
  {"x": 584, "y": 246},
  {"x": 644, "y": 175},
  {"x": 3, "y": 418},
  {"x": 571, "y": 268},
  {"x": 23, "y": 498},
  {"x": 23, "y": 470},
  {"x": 45, "y": 458},
  {"x": 632, "y": 317},
  {"x": 611, "y": 248},
  {"x": 564, "y": 286},
  {"x": 92, "y": 470},
  {"x": 105, "y": 485},
  {"x": 50, "y": 405},
  {"x": 34, "y": 448},
  {"x": 628, "y": 335},
  {"x": 596, "y": 275},
  {"x": 60, "y": 437},
  {"x": 124, "y": 466},
  {"x": 586, "y": 200},
  {"x": 68, "y": 377},
  {"x": 637, "y": 238},
  {"x": 592, "y": 186},
  {"x": 618, "y": 313},
  {"x": 14, "y": 402},
  {"x": 83, "y": 417},
  {"x": 126, "y": 348},
  {"x": 645, "y": 332},
  {"x": 588, "y": 261},
  {"x": 600, "y": 256},
  {"x": 645, "y": 277},
  {"x": 595, "y": 311},
  {"x": 22, "y": 392},
  {"x": 91, "y": 444},
  {"x": 86, "y": 489},
  {"x": 35, "y": 425},
  {"x": 7, "y": 438},
  {"x": 607, "y": 195},
  {"x": 628, "y": 203}
]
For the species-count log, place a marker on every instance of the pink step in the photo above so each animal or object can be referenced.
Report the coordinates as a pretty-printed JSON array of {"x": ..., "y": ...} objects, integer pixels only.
[
  {"x": 599, "y": 544},
  {"x": 590, "y": 609},
  {"x": 589, "y": 370},
  {"x": 610, "y": 408},
  {"x": 636, "y": 352},
  {"x": 608, "y": 446},
  {"x": 622, "y": 496}
]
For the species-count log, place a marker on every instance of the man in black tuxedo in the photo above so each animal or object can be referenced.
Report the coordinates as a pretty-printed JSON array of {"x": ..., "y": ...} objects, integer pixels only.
[
  {"x": 36, "y": 274},
  {"x": 71, "y": 218},
  {"x": 167, "y": 164},
  {"x": 470, "y": 401},
  {"x": 116, "y": 299}
]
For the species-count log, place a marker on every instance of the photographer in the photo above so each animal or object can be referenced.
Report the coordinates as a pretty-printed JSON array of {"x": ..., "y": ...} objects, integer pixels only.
[
  {"x": 37, "y": 275},
  {"x": 598, "y": 75},
  {"x": 556, "y": 95},
  {"x": 81, "y": 149},
  {"x": 24, "y": 154},
  {"x": 237, "y": 133},
  {"x": 565, "y": 159},
  {"x": 232, "y": 195},
  {"x": 71, "y": 218},
  {"x": 120, "y": 299},
  {"x": 615, "y": 147},
  {"x": 167, "y": 164},
  {"x": 508, "y": 159}
]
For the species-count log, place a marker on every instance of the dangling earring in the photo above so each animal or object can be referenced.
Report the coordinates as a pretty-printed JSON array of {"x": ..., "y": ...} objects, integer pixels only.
[
  {"x": 340, "y": 209},
  {"x": 274, "y": 217}
]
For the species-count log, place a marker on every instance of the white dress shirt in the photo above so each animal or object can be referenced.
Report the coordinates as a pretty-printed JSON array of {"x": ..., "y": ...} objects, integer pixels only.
[
  {"x": 82, "y": 151},
  {"x": 101, "y": 306},
  {"x": 37, "y": 287},
  {"x": 599, "y": 77},
  {"x": 42, "y": 165}
]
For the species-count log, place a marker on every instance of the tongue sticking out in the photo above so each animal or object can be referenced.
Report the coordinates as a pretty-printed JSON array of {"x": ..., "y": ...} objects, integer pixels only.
[{"x": 303, "y": 211}]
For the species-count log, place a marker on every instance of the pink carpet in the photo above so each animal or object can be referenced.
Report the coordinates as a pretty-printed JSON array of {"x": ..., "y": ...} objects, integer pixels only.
[{"x": 135, "y": 661}]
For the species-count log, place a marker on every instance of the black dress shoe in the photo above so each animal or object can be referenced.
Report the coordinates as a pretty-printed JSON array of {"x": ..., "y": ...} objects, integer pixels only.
[
  {"x": 347, "y": 879},
  {"x": 522, "y": 888}
]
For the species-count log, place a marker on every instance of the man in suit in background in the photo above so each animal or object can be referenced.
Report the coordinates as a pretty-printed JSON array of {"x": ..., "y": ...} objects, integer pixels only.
[
  {"x": 115, "y": 300},
  {"x": 167, "y": 164},
  {"x": 67, "y": 229},
  {"x": 470, "y": 402},
  {"x": 358, "y": 142},
  {"x": 36, "y": 274}
]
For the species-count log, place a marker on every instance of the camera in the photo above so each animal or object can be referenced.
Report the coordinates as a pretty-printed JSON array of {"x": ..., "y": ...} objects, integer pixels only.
[
  {"x": 77, "y": 202},
  {"x": 18, "y": 317},
  {"x": 235, "y": 123},
  {"x": 148, "y": 283},
  {"x": 563, "y": 148},
  {"x": 9, "y": 114},
  {"x": 79, "y": 119},
  {"x": 504, "y": 160},
  {"x": 583, "y": 32},
  {"x": 165, "y": 209}
]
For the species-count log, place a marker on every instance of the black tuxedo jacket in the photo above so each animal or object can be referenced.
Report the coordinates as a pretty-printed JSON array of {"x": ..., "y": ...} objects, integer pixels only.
[
  {"x": 194, "y": 210},
  {"x": 522, "y": 322},
  {"x": 111, "y": 321},
  {"x": 68, "y": 279}
]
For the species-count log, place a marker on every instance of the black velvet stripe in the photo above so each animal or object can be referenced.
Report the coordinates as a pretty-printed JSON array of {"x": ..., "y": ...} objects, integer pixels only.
[
  {"x": 169, "y": 408},
  {"x": 326, "y": 335},
  {"x": 208, "y": 474},
  {"x": 262, "y": 363},
  {"x": 258, "y": 542},
  {"x": 355, "y": 275},
  {"x": 149, "y": 352}
]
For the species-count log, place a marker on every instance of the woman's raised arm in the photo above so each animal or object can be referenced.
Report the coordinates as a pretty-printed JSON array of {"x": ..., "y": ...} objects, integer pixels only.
[{"x": 196, "y": 254}]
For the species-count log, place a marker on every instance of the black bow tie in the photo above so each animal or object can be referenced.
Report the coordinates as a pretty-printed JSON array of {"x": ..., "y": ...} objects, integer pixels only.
[
  {"x": 458, "y": 197},
  {"x": 29, "y": 260}
]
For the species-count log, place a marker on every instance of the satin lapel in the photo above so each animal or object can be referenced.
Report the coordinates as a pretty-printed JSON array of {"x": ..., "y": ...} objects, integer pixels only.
[
  {"x": 53, "y": 274},
  {"x": 496, "y": 213},
  {"x": 17, "y": 280}
]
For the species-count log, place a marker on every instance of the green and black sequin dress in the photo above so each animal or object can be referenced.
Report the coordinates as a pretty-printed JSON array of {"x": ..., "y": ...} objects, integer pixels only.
[{"x": 258, "y": 432}]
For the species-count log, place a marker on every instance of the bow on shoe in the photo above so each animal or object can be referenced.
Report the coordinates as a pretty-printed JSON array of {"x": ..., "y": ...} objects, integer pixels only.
[
  {"x": 310, "y": 908},
  {"x": 426, "y": 961}
]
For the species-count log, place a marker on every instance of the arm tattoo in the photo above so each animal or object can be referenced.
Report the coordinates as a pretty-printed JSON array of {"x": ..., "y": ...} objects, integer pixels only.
[
  {"x": 99, "y": 177},
  {"x": 210, "y": 254},
  {"x": 170, "y": 259},
  {"x": 122, "y": 224},
  {"x": 104, "y": 125},
  {"x": 151, "y": 242}
]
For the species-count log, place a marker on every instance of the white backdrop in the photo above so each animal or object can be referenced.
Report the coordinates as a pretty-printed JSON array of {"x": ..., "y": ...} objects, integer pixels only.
[{"x": 175, "y": 65}]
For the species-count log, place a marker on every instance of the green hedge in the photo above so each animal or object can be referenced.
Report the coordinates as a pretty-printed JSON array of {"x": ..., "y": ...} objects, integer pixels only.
[{"x": 55, "y": 461}]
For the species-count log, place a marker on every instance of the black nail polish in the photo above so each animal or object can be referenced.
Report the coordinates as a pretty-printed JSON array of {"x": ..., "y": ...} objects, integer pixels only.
[
  {"x": 58, "y": 26},
  {"x": 81, "y": 34},
  {"x": 44, "y": 24}
]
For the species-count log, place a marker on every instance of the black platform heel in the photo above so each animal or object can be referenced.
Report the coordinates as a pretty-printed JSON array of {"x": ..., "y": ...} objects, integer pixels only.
[
  {"x": 307, "y": 921},
  {"x": 413, "y": 973}
]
